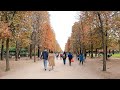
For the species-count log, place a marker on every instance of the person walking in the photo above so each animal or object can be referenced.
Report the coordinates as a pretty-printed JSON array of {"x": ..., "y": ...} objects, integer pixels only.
[
  {"x": 45, "y": 58},
  {"x": 57, "y": 55},
  {"x": 81, "y": 57},
  {"x": 61, "y": 56},
  {"x": 70, "y": 56},
  {"x": 78, "y": 56},
  {"x": 64, "y": 57},
  {"x": 51, "y": 60}
]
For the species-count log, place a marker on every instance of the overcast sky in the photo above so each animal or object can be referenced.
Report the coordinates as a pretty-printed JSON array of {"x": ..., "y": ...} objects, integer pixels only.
[{"x": 61, "y": 22}]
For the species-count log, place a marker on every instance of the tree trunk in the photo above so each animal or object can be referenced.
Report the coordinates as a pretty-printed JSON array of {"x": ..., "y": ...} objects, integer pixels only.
[
  {"x": 38, "y": 51},
  {"x": 106, "y": 53},
  {"x": 2, "y": 49},
  {"x": 85, "y": 54},
  {"x": 96, "y": 53},
  {"x": 91, "y": 46},
  {"x": 16, "y": 55},
  {"x": 30, "y": 51},
  {"x": 91, "y": 50},
  {"x": 119, "y": 45},
  {"x": 103, "y": 43},
  {"x": 106, "y": 45},
  {"x": 34, "y": 54},
  {"x": 19, "y": 50},
  {"x": 109, "y": 51},
  {"x": 81, "y": 48},
  {"x": 7, "y": 55}
]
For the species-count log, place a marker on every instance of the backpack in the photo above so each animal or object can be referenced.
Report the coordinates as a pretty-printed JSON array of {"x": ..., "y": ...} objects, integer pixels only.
[{"x": 70, "y": 56}]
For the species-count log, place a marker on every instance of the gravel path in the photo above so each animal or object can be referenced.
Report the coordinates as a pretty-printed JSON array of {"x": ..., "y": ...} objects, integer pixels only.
[{"x": 36, "y": 71}]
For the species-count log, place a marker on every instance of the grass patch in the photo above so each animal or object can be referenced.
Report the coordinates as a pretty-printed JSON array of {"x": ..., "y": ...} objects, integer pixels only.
[{"x": 116, "y": 55}]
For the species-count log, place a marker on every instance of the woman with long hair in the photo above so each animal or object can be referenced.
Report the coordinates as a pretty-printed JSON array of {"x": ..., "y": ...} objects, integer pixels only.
[{"x": 51, "y": 61}]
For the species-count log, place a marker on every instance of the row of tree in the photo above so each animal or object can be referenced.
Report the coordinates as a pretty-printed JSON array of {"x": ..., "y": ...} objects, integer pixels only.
[
  {"x": 26, "y": 29},
  {"x": 95, "y": 30}
]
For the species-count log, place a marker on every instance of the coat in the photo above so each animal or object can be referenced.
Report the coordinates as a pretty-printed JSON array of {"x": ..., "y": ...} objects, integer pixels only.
[
  {"x": 64, "y": 54},
  {"x": 45, "y": 55},
  {"x": 81, "y": 57},
  {"x": 51, "y": 60},
  {"x": 70, "y": 56}
]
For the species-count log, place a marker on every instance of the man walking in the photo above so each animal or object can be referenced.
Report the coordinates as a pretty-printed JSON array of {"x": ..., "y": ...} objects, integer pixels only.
[
  {"x": 45, "y": 58},
  {"x": 70, "y": 56}
]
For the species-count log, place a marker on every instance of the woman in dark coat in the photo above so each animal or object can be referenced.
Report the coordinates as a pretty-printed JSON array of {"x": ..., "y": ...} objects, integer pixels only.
[{"x": 64, "y": 58}]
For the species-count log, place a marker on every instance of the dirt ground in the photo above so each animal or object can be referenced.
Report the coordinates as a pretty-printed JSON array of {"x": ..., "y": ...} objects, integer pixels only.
[{"x": 91, "y": 69}]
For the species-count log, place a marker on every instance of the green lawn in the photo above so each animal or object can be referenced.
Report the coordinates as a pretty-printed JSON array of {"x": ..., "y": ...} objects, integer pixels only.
[{"x": 116, "y": 55}]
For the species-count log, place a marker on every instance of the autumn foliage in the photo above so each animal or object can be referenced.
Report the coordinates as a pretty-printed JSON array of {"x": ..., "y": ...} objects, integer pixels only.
[
  {"x": 87, "y": 35},
  {"x": 26, "y": 29}
]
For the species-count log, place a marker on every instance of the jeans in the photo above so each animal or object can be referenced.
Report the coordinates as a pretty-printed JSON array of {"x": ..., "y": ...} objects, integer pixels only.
[
  {"x": 45, "y": 64},
  {"x": 81, "y": 61},
  {"x": 70, "y": 62},
  {"x": 64, "y": 61}
]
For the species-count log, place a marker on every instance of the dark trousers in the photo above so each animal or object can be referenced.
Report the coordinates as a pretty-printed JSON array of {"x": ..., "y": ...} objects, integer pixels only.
[
  {"x": 81, "y": 61},
  {"x": 64, "y": 61},
  {"x": 70, "y": 62}
]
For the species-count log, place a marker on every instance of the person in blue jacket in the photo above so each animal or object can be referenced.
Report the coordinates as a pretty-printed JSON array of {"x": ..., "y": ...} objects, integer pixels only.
[
  {"x": 45, "y": 58},
  {"x": 81, "y": 57},
  {"x": 70, "y": 56}
]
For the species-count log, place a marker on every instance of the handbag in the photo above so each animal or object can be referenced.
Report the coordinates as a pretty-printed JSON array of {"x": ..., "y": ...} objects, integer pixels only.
[{"x": 72, "y": 60}]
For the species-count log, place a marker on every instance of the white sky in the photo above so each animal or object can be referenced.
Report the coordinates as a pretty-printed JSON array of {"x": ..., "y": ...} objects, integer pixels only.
[{"x": 61, "y": 22}]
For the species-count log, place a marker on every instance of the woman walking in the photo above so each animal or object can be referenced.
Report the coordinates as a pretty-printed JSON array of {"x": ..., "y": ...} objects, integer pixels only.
[
  {"x": 64, "y": 58},
  {"x": 51, "y": 61}
]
